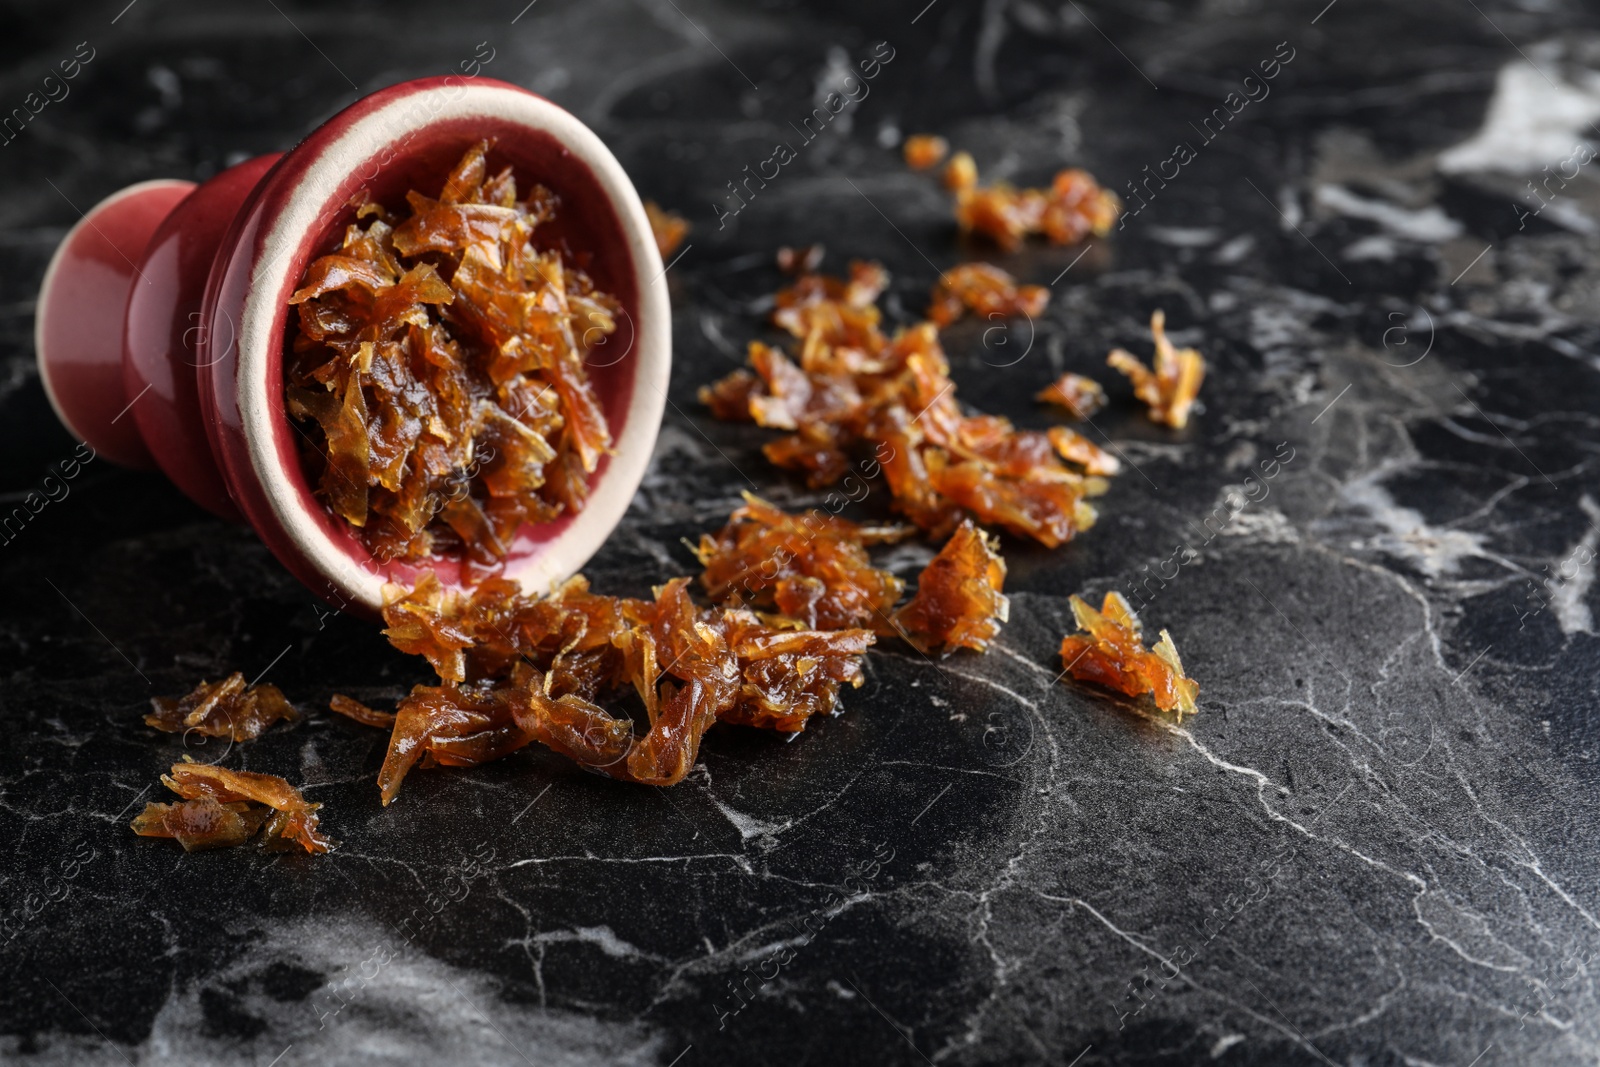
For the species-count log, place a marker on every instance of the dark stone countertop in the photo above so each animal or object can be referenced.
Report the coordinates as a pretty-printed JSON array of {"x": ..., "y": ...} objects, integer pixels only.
[{"x": 1374, "y": 844}]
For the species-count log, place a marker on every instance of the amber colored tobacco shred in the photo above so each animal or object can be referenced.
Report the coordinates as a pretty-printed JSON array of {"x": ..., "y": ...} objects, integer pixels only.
[
  {"x": 1072, "y": 208},
  {"x": 518, "y": 669},
  {"x": 452, "y": 725},
  {"x": 294, "y": 819},
  {"x": 924, "y": 151},
  {"x": 811, "y": 568},
  {"x": 201, "y": 824},
  {"x": 359, "y": 712},
  {"x": 854, "y": 390},
  {"x": 1080, "y": 397},
  {"x": 244, "y": 794},
  {"x": 961, "y": 173},
  {"x": 958, "y": 602},
  {"x": 668, "y": 228},
  {"x": 987, "y": 291},
  {"x": 1073, "y": 447},
  {"x": 437, "y": 371},
  {"x": 1170, "y": 389},
  {"x": 1113, "y": 655},
  {"x": 223, "y": 709}
]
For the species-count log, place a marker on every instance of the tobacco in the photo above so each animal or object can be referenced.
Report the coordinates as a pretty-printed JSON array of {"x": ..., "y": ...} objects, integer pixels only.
[
  {"x": 1169, "y": 390},
  {"x": 985, "y": 290},
  {"x": 855, "y": 388},
  {"x": 437, "y": 371},
  {"x": 227, "y": 708},
  {"x": 1080, "y": 397},
  {"x": 1072, "y": 208},
  {"x": 1113, "y": 655},
  {"x": 222, "y": 808},
  {"x": 958, "y": 603},
  {"x": 518, "y": 669}
]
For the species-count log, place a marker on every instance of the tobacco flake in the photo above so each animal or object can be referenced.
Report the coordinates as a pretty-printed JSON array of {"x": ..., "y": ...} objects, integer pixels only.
[
  {"x": 227, "y": 708},
  {"x": 223, "y": 807},
  {"x": 1073, "y": 447},
  {"x": 1080, "y": 397},
  {"x": 958, "y": 602},
  {"x": 1113, "y": 655},
  {"x": 985, "y": 290},
  {"x": 359, "y": 712},
  {"x": 811, "y": 568},
  {"x": 1071, "y": 209},
  {"x": 201, "y": 824},
  {"x": 1169, "y": 391}
]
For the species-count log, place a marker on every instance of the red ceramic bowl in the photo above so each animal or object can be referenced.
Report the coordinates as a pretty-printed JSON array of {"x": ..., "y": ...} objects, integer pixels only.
[{"x": 163, "y": 317}]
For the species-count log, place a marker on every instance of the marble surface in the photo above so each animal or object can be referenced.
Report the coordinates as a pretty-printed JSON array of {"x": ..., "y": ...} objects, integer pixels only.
[{"x": 1374, "y": 844}]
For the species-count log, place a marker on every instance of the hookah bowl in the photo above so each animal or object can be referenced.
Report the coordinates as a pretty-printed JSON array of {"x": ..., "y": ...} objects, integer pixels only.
[{"x": 163, "y": 319}]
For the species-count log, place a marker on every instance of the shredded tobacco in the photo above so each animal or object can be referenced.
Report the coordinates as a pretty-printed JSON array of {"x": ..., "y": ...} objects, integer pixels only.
[
  {"x": 1170, "y": 390},
  {"x": 1073, "y": 447},
  {"x": 201, "y": 824},
  {"x": 359, "y": 712},
  {"x": 438, "y": 371},
  {"x": 518, "y": 669},
  {"x": 924, "y": 151},
  {"x": 958, "y": 603},
  {"x": 222, "y": 808},
  {"x": 1080, "y": 397},
  {"x": 1074, "y": 207},
  {"x": 812, "y": 568},
  {"x": 856, "y": 389},
  {"x": 1113, "y": 655},
  {"x": 799, "y": 604},
  {"x": 985, "y": 290},
  {"x": 223, "y": 709},
  {"x": 668, "y": 228}
]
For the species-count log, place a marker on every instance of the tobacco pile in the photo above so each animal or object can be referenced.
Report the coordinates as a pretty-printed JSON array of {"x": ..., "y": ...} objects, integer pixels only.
[
  {"x": 985, "y": 290},
  {"x": 222, "y": 808},
  {"x": 223, "y": 709},
  {"x": 516, "y": 669},
  {"x": 1074, "y": 206},
  {"x": 437, "y": 371},
  {"x": 810, "y": 568},
  {"x": 855, "y": 388},
  {"x": 813, "y": 570},
  {"x": 1113, "y": 655}
]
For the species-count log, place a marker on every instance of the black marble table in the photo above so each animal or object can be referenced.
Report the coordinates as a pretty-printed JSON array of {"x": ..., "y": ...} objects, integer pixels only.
[{"x": 1373, "y": 845}]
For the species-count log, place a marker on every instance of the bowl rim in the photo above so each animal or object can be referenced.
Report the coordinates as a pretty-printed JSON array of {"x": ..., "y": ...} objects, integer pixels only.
[{"x": 292, "y": 202}]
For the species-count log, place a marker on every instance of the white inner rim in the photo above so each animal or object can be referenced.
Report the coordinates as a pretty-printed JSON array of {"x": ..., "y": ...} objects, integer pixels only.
[{"x": 270, "y": 285}]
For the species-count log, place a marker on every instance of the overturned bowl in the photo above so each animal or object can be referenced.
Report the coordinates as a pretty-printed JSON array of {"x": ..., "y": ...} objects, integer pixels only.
[{"x": 163, "y": 321}]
